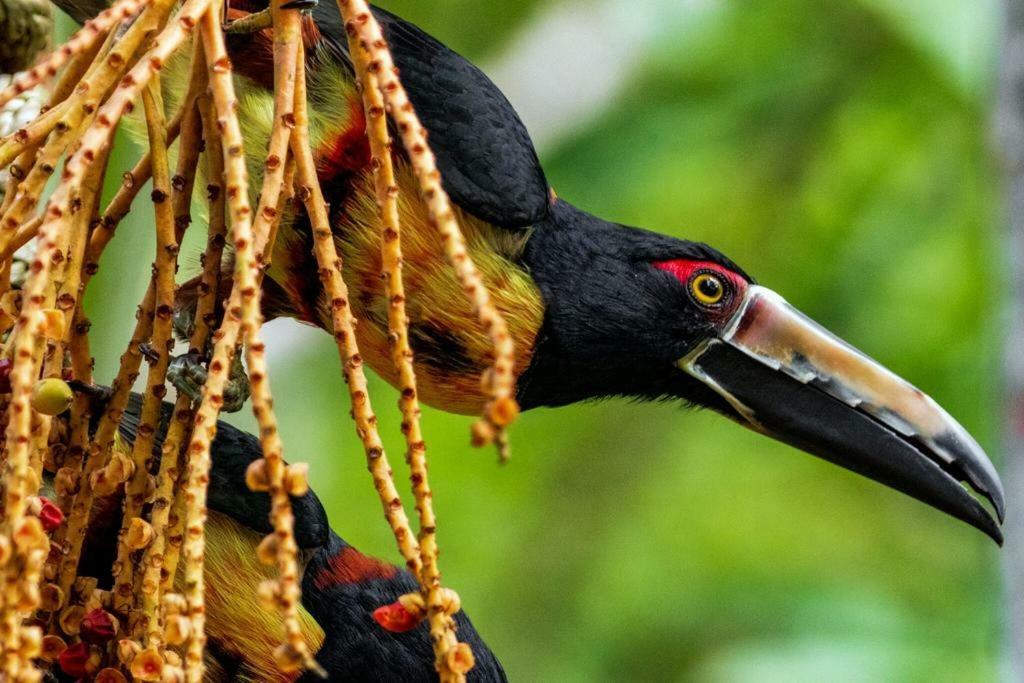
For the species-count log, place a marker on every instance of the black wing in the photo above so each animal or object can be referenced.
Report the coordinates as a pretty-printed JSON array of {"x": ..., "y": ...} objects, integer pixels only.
[
  {"x": 487, "y": 160},
  {"x": 356, "y": 649},
  {"x": 485, "y": 155},
  {"x": 231, "y": 453}
]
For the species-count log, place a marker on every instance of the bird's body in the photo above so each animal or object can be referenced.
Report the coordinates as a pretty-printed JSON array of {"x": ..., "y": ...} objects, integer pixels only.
[
  {"x": 595, "y": 309},
  {"x": 341, "y": 587},
  {"x": 451, "y": 349}
]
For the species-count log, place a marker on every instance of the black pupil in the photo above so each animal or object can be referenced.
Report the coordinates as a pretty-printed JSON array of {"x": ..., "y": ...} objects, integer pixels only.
[{"x": 710, "y": 287}]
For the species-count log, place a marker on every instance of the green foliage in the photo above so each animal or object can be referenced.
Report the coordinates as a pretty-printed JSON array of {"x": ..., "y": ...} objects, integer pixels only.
[{"x": 840, "y": 154}]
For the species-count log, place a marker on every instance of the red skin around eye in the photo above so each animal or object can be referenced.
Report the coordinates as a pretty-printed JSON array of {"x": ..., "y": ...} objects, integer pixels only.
[{"x": 684, "y": 270}]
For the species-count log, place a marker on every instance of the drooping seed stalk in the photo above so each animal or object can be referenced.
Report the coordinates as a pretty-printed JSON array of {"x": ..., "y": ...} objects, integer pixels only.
[
  {"x": 501, "y": 409},
  {"x": 164, "y": 267},
  {"x": 308, "y": 187},
  {"x": 22, "y": 533},
  {"x": 294, "y": 653},
  {"x": 75, "y": 332},
  {"x": 240, "y": 304},
  {"x": 205, "y": 316},
  {"x": 149, "y": 584},
  {"x": 93, "y": 89},
  {"x": 81, "y": 42},
  {"x": 442, "y": 626}
]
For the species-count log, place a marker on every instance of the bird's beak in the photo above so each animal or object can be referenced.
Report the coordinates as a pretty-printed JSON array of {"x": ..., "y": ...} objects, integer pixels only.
[{"x": 789, "y": 378}]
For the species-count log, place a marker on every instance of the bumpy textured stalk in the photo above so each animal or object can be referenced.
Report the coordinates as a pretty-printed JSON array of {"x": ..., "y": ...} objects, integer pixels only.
[
  {"x": 205, "y": 308},
  {"x": 296, "y": 652},
  {"x": 85, "y": 38},
  {"x": 75, "y": 334},
  {"x": 164, "y": 267},
  {"x": 442, "y": 626},
  {"x": 501, "y": 409},
  {"x": 344, "y": 333},
  {"x": 247, "y": 245},
  {"x": 149, "y": 581},
  {"x": 121, "y": 203},
  {"x": 94, "y": 87},
  {"x": 24, "y": 534}
]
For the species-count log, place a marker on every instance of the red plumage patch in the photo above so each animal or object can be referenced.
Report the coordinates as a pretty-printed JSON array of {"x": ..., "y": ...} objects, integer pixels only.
[
  {"x": 351, "y": 566},
  {"x": 349, "y": 151}
]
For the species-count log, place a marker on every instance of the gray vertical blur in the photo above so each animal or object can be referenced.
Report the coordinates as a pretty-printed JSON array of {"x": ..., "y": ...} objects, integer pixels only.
[{"x": 1010, "y": 129}]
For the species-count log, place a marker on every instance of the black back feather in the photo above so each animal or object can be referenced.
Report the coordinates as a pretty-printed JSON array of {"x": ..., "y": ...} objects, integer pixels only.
[{"x": 231, "y": 453}]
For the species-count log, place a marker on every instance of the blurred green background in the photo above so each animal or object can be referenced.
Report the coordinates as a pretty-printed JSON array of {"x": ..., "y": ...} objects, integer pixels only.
[{"x": 840, "y": 152}]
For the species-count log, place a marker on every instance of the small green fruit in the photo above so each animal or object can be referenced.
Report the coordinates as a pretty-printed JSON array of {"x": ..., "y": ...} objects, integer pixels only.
[{"x": 52, "y": 396}]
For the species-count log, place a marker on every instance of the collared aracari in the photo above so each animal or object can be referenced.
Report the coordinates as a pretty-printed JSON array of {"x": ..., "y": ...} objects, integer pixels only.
[
  {"x": 596, "y": 309},
  {"x": 341, "y": 587}
]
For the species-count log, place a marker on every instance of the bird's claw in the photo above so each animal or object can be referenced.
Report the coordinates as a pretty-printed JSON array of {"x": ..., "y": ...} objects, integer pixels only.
[
  {"x": 258, "y": 21},
  {"x": 188, "y": 374},
  {"x": 95, "y": 392},
  {"x": 146, "y": 351},
  {"x": 250, "y": 23}
]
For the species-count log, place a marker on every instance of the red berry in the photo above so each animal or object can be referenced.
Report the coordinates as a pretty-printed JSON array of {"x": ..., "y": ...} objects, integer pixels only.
[
  {"x": 50, "y": 515},
  {"x": 395, "y": 618},
  {"x": 97, "y": 627},
  {"x": 74, "y": 659}
]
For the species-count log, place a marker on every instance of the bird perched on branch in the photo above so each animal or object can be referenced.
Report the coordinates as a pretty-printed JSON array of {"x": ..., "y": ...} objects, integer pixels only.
[
  {"x": 595, "y": 309},
  {"x": 343, "y": 590}
]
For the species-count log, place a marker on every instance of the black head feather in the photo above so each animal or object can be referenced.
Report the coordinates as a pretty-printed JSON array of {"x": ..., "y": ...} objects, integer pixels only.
[{"x": 614, "y": 323}]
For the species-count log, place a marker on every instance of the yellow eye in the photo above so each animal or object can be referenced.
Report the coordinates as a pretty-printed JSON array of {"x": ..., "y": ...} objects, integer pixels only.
[{"x": 707, "y": 289}]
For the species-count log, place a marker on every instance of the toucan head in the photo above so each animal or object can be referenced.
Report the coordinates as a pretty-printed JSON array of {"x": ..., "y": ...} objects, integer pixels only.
[{"x": 652, "y": 317}]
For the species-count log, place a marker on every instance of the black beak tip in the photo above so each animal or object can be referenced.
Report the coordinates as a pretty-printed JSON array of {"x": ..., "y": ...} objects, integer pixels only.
[
  {"x": 994, "y": 494},
  {"x": 972, "y": 466},
  {"x": 998, "y": 504},
  {"x": 991, "y": 528}
]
